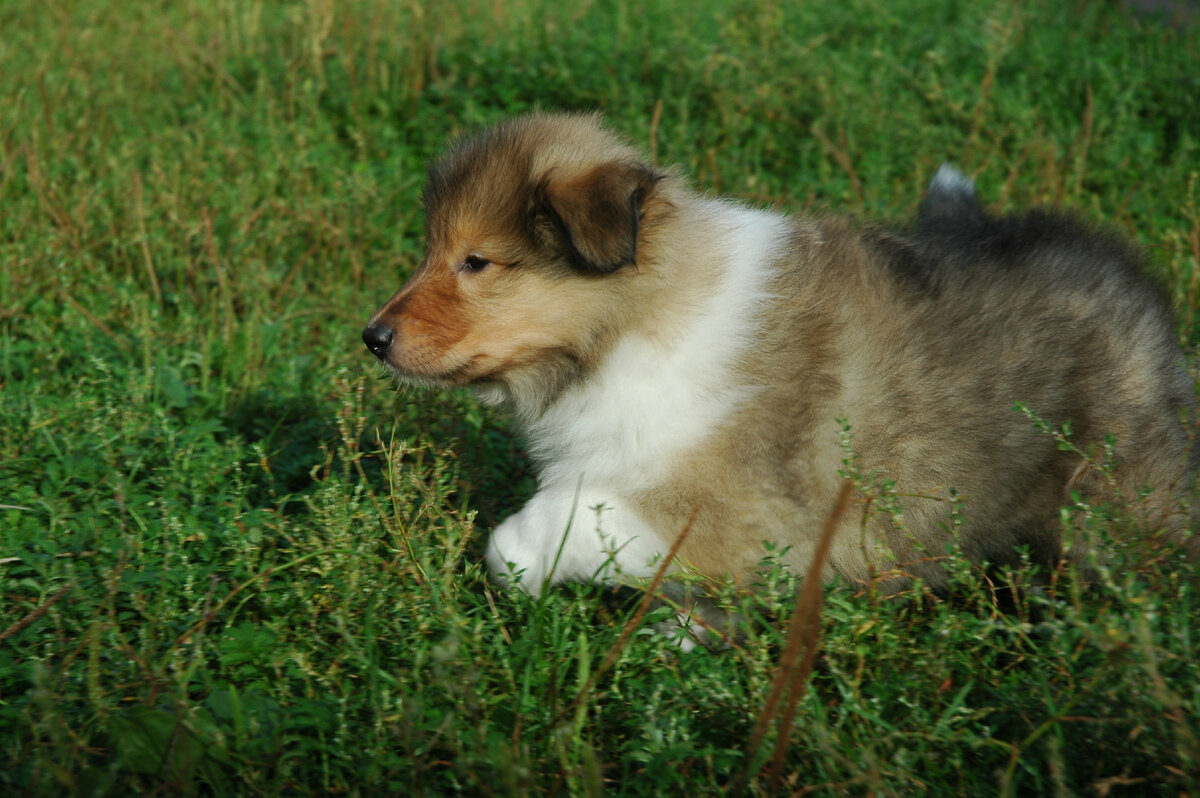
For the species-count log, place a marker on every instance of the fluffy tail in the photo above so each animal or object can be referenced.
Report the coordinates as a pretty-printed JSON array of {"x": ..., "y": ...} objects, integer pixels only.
[{"x": 951, "y": 200}]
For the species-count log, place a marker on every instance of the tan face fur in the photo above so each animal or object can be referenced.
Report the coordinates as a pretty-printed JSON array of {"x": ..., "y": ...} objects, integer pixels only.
[{"x": 521, "y": 287}]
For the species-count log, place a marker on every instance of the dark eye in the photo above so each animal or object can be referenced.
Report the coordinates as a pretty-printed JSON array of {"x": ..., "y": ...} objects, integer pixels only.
[{"x": 474, "y": 263}]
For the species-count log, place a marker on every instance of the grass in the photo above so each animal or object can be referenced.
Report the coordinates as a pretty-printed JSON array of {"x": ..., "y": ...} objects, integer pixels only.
[{"x": 234, "y": 560}]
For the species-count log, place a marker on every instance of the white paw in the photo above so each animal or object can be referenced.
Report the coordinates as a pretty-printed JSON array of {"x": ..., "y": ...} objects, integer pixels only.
[{"x": 572, "y": 536}]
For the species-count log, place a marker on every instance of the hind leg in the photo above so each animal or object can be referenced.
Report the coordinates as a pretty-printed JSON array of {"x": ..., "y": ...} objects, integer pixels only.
[{"x": 1147, "y": 488}]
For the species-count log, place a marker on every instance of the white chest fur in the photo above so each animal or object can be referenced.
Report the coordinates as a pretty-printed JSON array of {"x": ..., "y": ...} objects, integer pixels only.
[{"x": 652, "y": 399}]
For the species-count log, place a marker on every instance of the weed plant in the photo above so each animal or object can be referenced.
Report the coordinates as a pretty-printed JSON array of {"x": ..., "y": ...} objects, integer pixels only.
[{"x": 235, "y": 560}]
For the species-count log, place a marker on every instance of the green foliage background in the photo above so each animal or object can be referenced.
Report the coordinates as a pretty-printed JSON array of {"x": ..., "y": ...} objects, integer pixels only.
[{"x": 234, "y": 560}]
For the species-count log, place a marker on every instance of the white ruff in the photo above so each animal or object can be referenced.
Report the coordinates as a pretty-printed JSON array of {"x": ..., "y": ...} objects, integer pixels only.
[{"x": 651, "y": 400}]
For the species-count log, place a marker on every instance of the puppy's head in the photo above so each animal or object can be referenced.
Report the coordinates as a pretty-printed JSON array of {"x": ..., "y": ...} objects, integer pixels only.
[{"x": 532, "y": 234}]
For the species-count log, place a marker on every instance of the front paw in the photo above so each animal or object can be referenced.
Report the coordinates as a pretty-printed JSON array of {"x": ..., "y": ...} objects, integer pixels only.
[
  {"x": 568, "y": 535},
  {"x": 509, "y": 558}
]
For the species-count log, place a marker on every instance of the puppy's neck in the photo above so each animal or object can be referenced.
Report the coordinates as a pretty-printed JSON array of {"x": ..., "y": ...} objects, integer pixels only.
[{"x": 671, "y": 374}]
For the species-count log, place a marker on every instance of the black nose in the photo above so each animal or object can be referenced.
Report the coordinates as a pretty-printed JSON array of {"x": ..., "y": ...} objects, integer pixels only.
[{"x": 378, "y": 337}]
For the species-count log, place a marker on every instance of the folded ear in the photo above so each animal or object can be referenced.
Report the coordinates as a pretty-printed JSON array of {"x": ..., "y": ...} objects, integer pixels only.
[{"x": 595, "y": 216}]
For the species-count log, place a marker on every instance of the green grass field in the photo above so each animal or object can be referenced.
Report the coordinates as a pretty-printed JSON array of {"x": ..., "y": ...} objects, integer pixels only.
[{"x": 236, "y": 561}]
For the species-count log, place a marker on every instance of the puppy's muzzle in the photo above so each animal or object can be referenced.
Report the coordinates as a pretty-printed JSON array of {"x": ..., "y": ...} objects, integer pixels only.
[{"x": 378, "y": 338}]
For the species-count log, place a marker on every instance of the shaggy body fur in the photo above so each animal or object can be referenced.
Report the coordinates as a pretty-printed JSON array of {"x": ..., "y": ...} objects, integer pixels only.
[{"x": 671, "y": 356}]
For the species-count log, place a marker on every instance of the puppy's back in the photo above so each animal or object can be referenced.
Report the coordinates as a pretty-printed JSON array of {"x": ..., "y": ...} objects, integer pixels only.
[{"x": 1036, "y": 308}]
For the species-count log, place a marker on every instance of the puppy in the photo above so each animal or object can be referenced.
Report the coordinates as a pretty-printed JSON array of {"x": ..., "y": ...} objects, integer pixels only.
[{"x": 678, "y": 362}]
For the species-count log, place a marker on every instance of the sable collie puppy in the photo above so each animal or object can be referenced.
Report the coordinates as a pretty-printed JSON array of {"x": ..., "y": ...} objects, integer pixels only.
[{"x": 679, "y": 362}]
